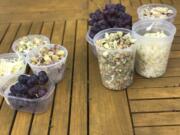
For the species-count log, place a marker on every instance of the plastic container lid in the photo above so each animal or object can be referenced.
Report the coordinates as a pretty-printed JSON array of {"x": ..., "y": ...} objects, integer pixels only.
[{"x": 142, "y": 17}]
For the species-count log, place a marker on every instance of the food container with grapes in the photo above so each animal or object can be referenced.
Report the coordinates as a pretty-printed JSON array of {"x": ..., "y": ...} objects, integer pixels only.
[
  {"x": 112, "y": 16},
  {"x": 157, "y": 12},
  {"x": 116, "y": 55},
  {"x": 29, "y": 93},
  {"x": 154, "y": 40},
  {"x": 10, "y": 66},
  {"x": 51, "y": 59},
  {"x": 25, "y": 44}
]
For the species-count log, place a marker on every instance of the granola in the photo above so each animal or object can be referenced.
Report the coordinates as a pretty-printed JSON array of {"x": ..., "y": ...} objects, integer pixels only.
[{"x": 116, "y": 53}]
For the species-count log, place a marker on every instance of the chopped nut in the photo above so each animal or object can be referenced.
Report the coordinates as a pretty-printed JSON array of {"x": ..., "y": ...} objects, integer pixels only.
[
  {"x": 55, "y": 57},
  {"x": 48, "y": 56},
  {"x": 60, "y": 52}
]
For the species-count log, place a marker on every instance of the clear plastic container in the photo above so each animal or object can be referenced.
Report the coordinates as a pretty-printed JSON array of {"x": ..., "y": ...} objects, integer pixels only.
[
  {"x": 54, "y": 71},
  {"x": 116, "y": 65},
  {"x": 10, "y": 56},
  {"x": 140, "y": 10},
  {"x": 38, "y": 105},
  {"x": 152, "y": 52},
  {"x": 29, "y": 37},
  {"x": 90, "y": 41}
]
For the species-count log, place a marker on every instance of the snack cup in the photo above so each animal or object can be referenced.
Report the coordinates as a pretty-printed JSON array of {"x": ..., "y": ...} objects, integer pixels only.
[
  {"x": 54, "y": 71},
  {"x": 16, "y": 43},
  {"x": 38, "y": 105},
  {"x": 91, "y": 44},
  {"x": 4, "y": 79},
  {"x": 149, "y": 6},
  {"x": 116, "y": 65},
  {"x": 152, "y": 53}
]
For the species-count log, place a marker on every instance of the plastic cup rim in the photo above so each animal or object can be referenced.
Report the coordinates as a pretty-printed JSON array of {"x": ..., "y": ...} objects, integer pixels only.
[
  {"x": 156, "y": 4},
  {"x": 50, "y": 65},
  {"x": 113, "y": 30},
  {"x": 135, "y": 25}
]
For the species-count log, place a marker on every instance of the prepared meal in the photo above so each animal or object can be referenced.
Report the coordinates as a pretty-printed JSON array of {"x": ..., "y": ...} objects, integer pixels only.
[
  {"x": 51, "y": 59},
  {"x": 30, "y": 93},
  {"x": 153, "y": 47},
  {"x": 116, "y": 53}
]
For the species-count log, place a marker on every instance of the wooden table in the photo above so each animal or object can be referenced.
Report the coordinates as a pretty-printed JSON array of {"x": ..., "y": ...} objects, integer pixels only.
[{"x": 81, "y": 105}]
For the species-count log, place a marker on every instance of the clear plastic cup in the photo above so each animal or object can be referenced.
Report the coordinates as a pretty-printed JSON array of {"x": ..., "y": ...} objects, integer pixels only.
[
  {"x": 30, "y": 37},
  {"x": 152, "y": 52},
  {"x": 22, "y": 70},
  {"x": 170, "y": 18},
  {"x": 90, "y": 41},
  {"x": 55, "y": 71},
  {"x": 116, "y": 65},
  {"x": 38, "y": 105}
]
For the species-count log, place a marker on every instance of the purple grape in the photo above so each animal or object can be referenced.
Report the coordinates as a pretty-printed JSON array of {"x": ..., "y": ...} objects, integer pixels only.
[
  {"x": 42, "y": 92},
  {"x": 11, "y": 94},
  {"x": 32, "y": 81},
  {"x": 35, "y": 77},
  {"x": 28, "y": 86},
  {"x": 42, "y": 73},
  {"x": 33, "y": 92},
  {"x": 12, "y": 89},
  {"x": 23, "y": 79},
  {"x": 43, "y": 78},
  {"x": 18, "y": 90},
  {"x": 113, "y": 15}
]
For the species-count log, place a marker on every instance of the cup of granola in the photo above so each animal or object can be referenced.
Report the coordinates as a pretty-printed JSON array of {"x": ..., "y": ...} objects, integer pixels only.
[
  {"x": 157, "y": 12},
  {"x": 116, "y": 55},
  {"x": 154, "y": 41},
  {"x": 51, "y": 59}
]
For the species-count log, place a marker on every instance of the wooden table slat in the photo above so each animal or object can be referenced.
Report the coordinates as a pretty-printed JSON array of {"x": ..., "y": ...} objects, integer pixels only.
[
  {"x": 156, "y": 105},
  {"x": 166, "y": 130},
  {"x": 60, "y": 116},
  {"x": 156, "y": 83},
  {"x": 3, "y": 30},
  {"x": 21, "y": 117},
  {"x": 167, "y": 1},
  {"x": 154, "y": 93},
  {"x": 43, "y": 119},
  {"x": 78, "y": 116},
  {"x": 156, "y": 119},
  {"x": 6, "y": 113}
]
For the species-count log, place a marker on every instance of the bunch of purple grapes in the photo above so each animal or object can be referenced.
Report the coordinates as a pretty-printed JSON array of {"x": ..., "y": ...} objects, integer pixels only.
[
  {"x": 30, "y": 87},
  {"x": 112, "y": 16}
]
